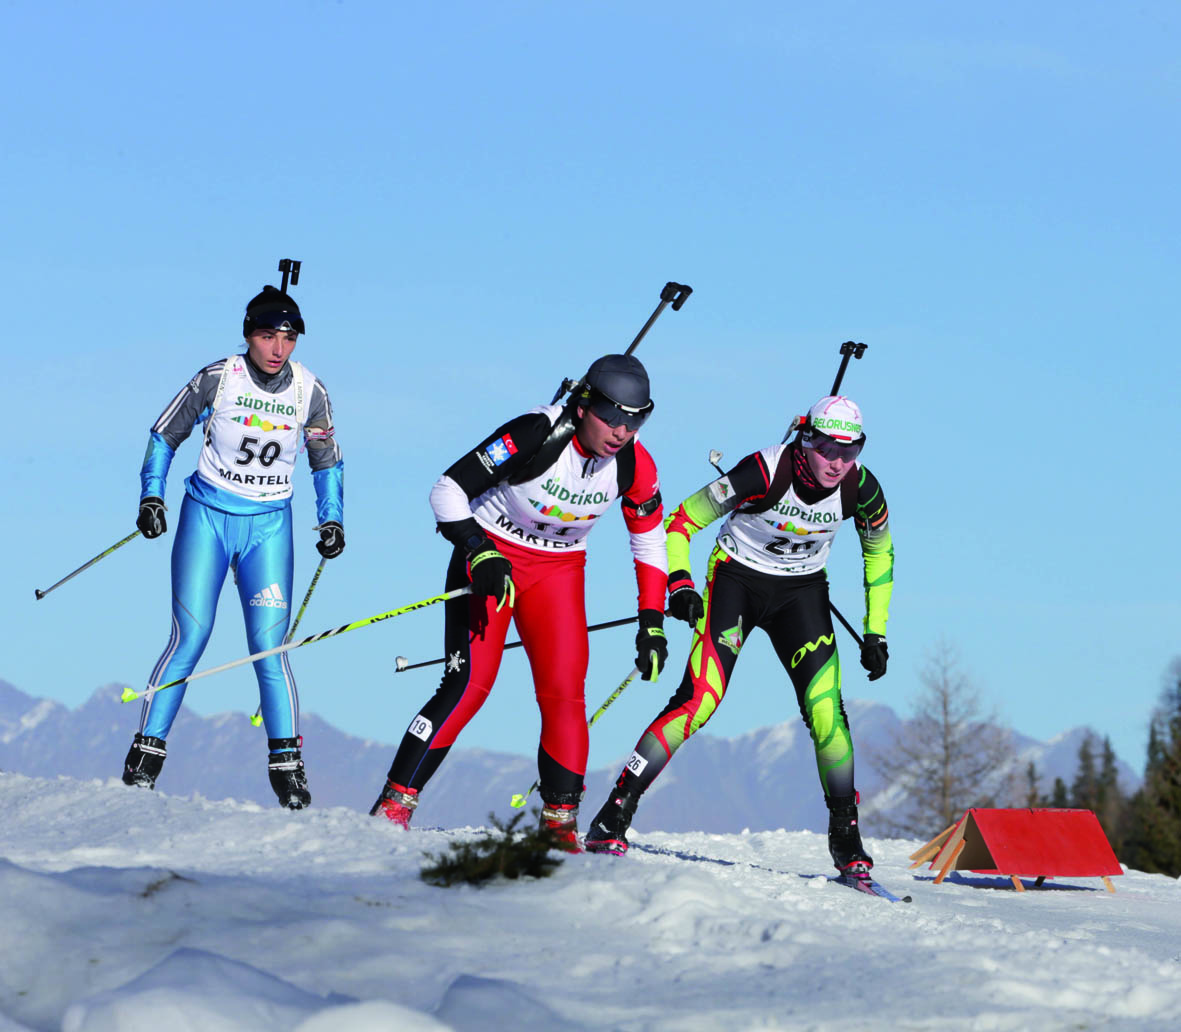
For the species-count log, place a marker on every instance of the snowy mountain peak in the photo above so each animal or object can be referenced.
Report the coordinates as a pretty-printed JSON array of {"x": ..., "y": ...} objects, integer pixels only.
[{"x": 762, "y": 780}]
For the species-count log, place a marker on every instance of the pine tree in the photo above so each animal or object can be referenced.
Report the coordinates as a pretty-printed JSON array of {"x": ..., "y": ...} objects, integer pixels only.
[
  {"x": 504, "y": 852},
  {"x": 1109, "y": 800},
  {"x": 1058, "y": 796},
  {"x": 1084, "y": 791},
  {"x": 1032, "y": 797},
  {"x": 1152, "y": 837},
  {"x": 1156, "y": 750}
]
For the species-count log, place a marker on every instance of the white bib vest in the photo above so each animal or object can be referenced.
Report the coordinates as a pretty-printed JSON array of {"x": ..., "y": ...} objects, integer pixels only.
[
  {"x": 252, "y": 437},
  {"x": 556, "y": 510},
  {"x": 790, "y": 538}
]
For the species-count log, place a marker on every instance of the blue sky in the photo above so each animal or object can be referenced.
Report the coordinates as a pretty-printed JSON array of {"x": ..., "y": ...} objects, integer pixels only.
[{"x": 487, "y": 197}]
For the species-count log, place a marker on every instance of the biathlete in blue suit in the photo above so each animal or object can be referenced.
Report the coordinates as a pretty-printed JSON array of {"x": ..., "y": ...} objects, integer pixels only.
[{"x": 255, "y": 410}]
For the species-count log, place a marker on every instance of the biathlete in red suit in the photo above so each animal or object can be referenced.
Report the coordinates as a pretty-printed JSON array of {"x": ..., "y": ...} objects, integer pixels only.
[{"x": 518, "y": 509}]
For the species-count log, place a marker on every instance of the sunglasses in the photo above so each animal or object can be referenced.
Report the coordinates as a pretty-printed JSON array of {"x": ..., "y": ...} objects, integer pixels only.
[
  {"x": 614, "y": 414},
  {"x": 832, "y": 449},
  {"x": 277, "y": 320}
]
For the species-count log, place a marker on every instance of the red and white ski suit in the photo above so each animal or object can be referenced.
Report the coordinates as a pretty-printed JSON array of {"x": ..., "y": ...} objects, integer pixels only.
[{"x": 539, "y": 519}]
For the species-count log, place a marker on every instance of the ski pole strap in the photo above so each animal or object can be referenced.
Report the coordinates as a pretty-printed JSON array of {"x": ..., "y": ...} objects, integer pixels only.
[
  {"x": 85, "y": 566},
  {"x": 129, "y": 695}
]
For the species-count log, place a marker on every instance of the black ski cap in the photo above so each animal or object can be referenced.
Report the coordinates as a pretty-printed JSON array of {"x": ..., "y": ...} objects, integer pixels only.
[
  {"x": 619, "y": 378},
  {"x": 272, "y": 310}
]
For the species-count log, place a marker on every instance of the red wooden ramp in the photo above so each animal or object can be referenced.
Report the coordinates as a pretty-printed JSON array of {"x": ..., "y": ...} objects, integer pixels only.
[{"x": 1030, "y": 843}]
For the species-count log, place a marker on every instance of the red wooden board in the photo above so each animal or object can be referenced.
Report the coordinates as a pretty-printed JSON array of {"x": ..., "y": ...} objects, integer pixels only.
[{"x": 1045, "y": 842}]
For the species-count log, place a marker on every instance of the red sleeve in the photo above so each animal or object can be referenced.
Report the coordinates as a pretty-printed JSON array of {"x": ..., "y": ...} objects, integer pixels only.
[
  {"x": 644, "y": 516},
  {"x": 638, "y": 511}
]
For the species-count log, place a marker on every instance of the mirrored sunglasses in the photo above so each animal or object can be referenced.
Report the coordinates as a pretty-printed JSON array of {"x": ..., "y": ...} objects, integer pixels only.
[
  {"x": 614, "y": 414},
  {"x": 276, "y": 320},
  {"x": 832, "y": 449}
]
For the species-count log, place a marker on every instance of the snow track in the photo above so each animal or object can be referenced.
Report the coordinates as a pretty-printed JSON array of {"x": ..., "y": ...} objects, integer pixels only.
[{"x": 123, "y": 910}]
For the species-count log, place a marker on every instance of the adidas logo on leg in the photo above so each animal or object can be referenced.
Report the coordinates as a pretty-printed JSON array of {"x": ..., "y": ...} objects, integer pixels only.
[{"x": 271, "y": 597}]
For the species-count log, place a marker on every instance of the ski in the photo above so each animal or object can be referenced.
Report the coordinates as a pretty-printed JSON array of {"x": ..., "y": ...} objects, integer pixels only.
[{"x": 858, "y": 878}]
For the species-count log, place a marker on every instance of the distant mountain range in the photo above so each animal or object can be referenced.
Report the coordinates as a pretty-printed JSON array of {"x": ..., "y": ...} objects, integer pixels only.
[{"x": 762, "y": 780}]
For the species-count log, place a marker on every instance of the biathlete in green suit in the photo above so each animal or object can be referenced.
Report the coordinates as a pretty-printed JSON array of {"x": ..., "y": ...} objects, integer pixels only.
[{"x": 783, "y": 506}]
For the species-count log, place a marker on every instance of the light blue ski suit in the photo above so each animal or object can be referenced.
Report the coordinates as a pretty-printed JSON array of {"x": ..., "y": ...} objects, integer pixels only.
[{"x": 219, "y": 529}]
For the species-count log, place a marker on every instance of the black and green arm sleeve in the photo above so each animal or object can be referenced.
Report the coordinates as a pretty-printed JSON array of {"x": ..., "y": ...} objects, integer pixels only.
[{"x": 872, "y": 520}]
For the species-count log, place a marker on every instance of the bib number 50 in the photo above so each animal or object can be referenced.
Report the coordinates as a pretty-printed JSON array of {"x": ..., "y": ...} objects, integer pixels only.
[{"x": 265, "y": 455}]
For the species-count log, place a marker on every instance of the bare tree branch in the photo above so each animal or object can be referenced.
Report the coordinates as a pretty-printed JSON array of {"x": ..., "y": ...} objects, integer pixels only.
[{"x": 950, "y": 756}]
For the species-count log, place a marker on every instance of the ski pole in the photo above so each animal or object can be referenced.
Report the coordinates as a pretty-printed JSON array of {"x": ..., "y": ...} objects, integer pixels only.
[
  {"x": 613, "y": 696},
  {"x": 519, "y": 800},
  {"x": 848, "y": 627},
  {"x": 256, "y": 720},
  {"x": 848, "y": 349},
  {"x": 675, "y": 294},
  {"x": 401, "y": 663},
  {"x": 85, "y": 566},
  {"x": 306, "y": 599},
  {"x": 130, "y": 695}
]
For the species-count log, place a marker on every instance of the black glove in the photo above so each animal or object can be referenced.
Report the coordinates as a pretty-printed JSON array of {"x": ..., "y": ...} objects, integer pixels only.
[
  {"x": 492, "y": 574},
  {"x": 651, "y": 644},
  {"x": 874, "y": 655},
  {"x": 151, "y": 521},
  {"x": 683, "y": 601},
  {"x": 331, "y": 542}
]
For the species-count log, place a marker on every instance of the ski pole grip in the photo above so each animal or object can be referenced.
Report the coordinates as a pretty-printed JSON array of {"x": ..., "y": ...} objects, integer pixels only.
[
  {"x": 848, "y": 350},
  {"x": 677, "y": 293},
  {"x": 289, "y": 267},
  {"x": 567, "y": 386}
]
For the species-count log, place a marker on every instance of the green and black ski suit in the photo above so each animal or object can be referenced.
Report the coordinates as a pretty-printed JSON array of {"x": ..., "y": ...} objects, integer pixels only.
[{"x": 767, "y": 570}]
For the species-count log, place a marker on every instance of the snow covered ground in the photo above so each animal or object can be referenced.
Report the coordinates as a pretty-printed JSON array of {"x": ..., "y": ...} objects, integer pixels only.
[{"x": 128, "y": 910}]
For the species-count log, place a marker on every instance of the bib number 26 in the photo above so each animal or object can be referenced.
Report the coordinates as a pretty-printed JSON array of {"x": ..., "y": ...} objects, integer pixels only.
[{"x": 785, "y": 546}]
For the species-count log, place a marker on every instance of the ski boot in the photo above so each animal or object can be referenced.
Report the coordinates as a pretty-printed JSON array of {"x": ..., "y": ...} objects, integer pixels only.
[
  {"x": 144, "y": 761},
  {"x": 397, "y": 802},
  {"x": 608, "y": 831},
  {"x": 844, "y": 837},
  {"x": 559, "y": 816},
  {"x": 285, "y": 769}
]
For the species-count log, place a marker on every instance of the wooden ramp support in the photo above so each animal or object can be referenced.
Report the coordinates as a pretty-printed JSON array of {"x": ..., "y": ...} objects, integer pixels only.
[
  {"x": 931, "y": 848},
  {"x": 1023, "y": 843}
]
